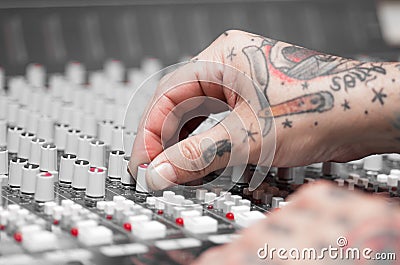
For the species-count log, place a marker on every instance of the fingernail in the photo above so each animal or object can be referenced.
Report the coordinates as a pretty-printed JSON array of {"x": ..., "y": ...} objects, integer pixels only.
[{"x": 162, "y": 176}]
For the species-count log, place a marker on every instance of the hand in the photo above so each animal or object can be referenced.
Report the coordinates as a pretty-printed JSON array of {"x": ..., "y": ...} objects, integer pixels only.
[
  {"x": 319, "y": 216},
  {"x": 320, "y": 113}
]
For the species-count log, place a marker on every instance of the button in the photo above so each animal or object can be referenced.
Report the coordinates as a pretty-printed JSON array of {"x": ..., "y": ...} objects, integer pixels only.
[
  {"x": 373, "y": 163},
  {"x": 16, "y": 165},
  {"x": 382, "y": 178},
  {"x": 36, "y": 150},
  {"x": 115, "y": 165},
  {"x": 126, "y": 179},
  {"x": 95, "y": 236},
  {"x": 201, "y": 225},
  {"x": 209, "y": 197},
  {"x": 72, "y": 141},
  {"x": 239, "y": 209},
  {"x": 96, "y": 185},
  {"x": 60, "y": 135},
  {"x": 48, "y": 157},
  {"x": 275, "y": 202},
  {"x": 66, "y": 173},
  {"x": 28, "y": 181},
  {"x": 150, "y": 230},
  {"x": 24, "y": 146},
  {"x": 39, "y": 241},
  {"x": 141, "y": 183},
  {"x": 80, "y": 175},
  {"x": 44, "y": 190},
  {"x": 245, "y": 219},
  {"x": 226, "y": 206},
  {"x": 200, "y": 194},
  {"x": 392, "y": 181},
  {"x": 97, "y": 153},
  {"x": 13, "y": 139}
]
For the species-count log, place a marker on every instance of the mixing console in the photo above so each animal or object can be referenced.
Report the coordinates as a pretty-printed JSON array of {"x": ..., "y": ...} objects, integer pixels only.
[{"x": 67, "y": 198}]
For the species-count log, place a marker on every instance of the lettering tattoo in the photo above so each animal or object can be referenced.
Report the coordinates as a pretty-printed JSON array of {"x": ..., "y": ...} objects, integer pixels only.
[{"x": 219, "y": 148}]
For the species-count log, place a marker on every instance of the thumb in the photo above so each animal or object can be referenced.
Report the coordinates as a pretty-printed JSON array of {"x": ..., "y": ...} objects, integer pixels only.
[{"x": 190, "y": 159}]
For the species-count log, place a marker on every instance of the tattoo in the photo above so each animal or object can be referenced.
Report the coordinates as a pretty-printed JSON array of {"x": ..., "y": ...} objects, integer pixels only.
[
  {"x": 316, "y": 123},
  {"x": 249, "y": 134},
  {"x": 219, "y": 149},
  {"x": 304, "y": 85},
  {"x": 345, "y": 105},
  {"x": 379, "y": 96},
  {"x": 360, "y": 73},
  {"x": 231, "y": 54},
  {"x": 287, "y": 124}
]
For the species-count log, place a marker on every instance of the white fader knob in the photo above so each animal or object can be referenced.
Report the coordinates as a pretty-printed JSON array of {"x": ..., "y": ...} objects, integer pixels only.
[
  {"x": 14, "y": 178},
  {"x": 60, "y": 135},
  {"x": 35, "y": 150},
  {"x": 97, "y": 153},
  {"x": 141, "y": 184},
  {"x": 127, "y": 180},
  {"x": 3, "y": 132},
  {"x": 115, "y": 162},
  {"x": 45, "y": 128},
  {"x": 13, "y": 139},
  {"x": 28, "y": 183},
  {"x": 3, "y": 161},
  {"x": 96, "y": 185},
  {"x": 48, "y": 158},
  {"x": 24, "y": 146},
  {"x": 105, "y": 131},
  {"x": 117, "y": 138},
  {"x": 80, "y": 176},
  {"x": 44, "y": 189},
  {"x": 72, "y": 141},
  {"x": 84, "y": 146},
  {"x": 66, "y": 173}
]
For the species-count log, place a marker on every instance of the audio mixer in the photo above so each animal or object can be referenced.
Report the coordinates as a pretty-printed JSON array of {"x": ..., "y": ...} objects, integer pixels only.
[{"x": 67, "y": 197}]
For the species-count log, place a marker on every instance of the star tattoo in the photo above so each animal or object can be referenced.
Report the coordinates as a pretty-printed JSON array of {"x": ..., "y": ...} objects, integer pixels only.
[
  {"x": 345, "y": 105},
  {"x": 304, "y": 86},
  {"x": 249, "y": 134},
  {"x": 379, "y": 96},
  {"x": 231, "y": 54},
  {"x": 287, "y": 124}
]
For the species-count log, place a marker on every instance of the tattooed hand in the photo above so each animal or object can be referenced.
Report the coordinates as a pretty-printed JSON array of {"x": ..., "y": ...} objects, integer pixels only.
[
  {"x": 319, "y": 216},
  {"x": 306, "y": 106}
]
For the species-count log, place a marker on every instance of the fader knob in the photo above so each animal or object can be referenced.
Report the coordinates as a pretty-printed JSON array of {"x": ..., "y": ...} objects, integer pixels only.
[
  {"x": 84, "y": 146},
  {"x": 141, "y": 183},
  {"x": 3, "y": 132},
  {"x": 24, "y": 146},
  {"x": 96, "y": 183},
  {"x": 126, "y": 179},
  {"x": 66, "y": 173},
  {"x": 115, "y": 163},
  {"x": 45, "y": 129},
  {"x": 80, "y": 176},
  {"x": 35, "y": 150},
  {"x": 13, "y": 139},
  {"x": 105, "y": 131},
  {"x": 60, "y": 135},
  {"x": 97, "y": 153},
  {"x": 3, "y": 161},
  {"x": 14, "y": 178},
  {"x": 117, "y": 138},
  {"x": 48, "y": 158},
  {"x": 44, "y": 188},
  {"x": 28, "y": 182},
  {"x": 72, "y": 141}
]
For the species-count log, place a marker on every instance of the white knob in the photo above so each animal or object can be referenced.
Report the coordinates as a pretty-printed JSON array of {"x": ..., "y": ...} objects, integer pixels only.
[
  {"x": 33, "y": 122},
  {"x": 129, "y": 139},
  {"x": 36, "y": 150},
  {"x": 24, "y": 147},
  {"x": 14, "y": 178},
  {"x": 28, "y": 182},
  {"x": 392, "y": 180},
  {"x": 60, "y": 135},
  {"x": 115, "y": 162},
  {"x": 72, "y": 141},
  {"x": 48, "y": 157},
  {"x": 97, "y": 153},
  {"x": 117, "y": 138},
  {"x": 373, "y": 163},
  {"x": 395, "y": 172},
  {"x": 105, "y": 131},
  {"x": 13, "y": 139},
  {"x": 96, "y": 186},
  {"x": 382, "y": 178},
  {"x": 394, "y": 157},
  {"x": 84, "y": 147},
  {"x": 3, "y": 132},
  {"x": 66, "y": 173},
  {"x": 12, "y": 113},
  {"x": 75, "y": 72},
  {"x": 89, "y": 125},
  {"x": 45, "y": 128},
  {"x": 80, "y": 176},
  {"x": 126, "y": 179},
  {"x": 22, "y": 120},
  {"x": 141, "y": 183},
  {"x": 44, "y": 189},
  {"x": 3, "y": 161}
]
